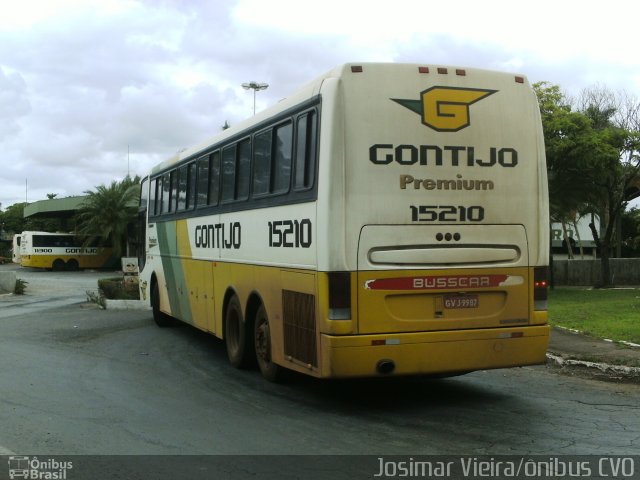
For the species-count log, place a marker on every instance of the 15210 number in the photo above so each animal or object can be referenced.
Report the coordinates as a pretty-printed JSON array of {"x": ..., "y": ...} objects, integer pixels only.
[
  {"x": 446, "y": 213},
  {"x": 290, "y": 233}
]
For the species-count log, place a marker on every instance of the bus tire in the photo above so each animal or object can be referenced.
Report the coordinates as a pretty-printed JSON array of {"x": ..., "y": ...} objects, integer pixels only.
[
  {"x": 58, "y": 265},
  {"x": 262, "y": 342},
  {"x": 238, "y": 340},
  {"x": 72, "y": 265},
  {"x": 161, "y": 318}
]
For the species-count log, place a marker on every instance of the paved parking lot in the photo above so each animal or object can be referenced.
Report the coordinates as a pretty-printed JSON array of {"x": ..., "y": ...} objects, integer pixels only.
[{"x": 49, "y": 289}]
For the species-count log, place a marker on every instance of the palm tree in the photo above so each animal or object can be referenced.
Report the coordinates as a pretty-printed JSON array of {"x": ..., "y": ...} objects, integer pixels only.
[{"x": 105, "y": 213}]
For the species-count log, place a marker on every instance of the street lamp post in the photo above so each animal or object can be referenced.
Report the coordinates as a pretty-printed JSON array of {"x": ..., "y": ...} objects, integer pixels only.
[{"x": 255, "y": 86}]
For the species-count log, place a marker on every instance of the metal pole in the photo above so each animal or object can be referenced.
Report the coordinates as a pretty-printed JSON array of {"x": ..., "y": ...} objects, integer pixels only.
[{"x": 255, "y": 86}]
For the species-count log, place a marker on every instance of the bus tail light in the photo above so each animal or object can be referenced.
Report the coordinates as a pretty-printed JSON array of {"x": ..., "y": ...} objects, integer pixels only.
[
  {"x": 540, "y": 285},
  {"x": 339, "y": 295}
]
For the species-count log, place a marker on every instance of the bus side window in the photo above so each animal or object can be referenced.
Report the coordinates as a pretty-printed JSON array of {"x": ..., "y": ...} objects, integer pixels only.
[
  {"x": 152, "y": 197},
  {"x": 182, "y": 188},
  {"x": 166, "y": 188},
  {"x": 214, "y": 184},
  {"x": 282, "y": 158},
  {"x": 305, "y": 150},
  {"x": 228, "y": 173},
  {"x": 262, "y": 163},
  {"x": 144, "y": 194},
  {"x": 243, "y": 175},
  {"x": 173, "y": 199},
  {"x": 191, "y": 185},
  {"x": 203, "y": 180}
]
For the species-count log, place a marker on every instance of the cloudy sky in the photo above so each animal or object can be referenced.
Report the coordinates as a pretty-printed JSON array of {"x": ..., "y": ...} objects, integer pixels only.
[{"x": 93, "y": 89}]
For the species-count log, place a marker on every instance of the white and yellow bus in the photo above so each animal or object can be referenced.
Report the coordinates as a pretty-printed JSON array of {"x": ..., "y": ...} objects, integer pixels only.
[
  {"x": 386, "y": 219},
  {"x": 61, "y": 251}
]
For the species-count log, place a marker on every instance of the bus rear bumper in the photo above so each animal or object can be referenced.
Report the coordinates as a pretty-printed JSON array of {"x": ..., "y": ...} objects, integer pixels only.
[{"x": 433, "y": 352}]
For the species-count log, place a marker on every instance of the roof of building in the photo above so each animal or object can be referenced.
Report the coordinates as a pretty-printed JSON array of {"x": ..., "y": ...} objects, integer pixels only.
[{"x": 56, "y": 207}]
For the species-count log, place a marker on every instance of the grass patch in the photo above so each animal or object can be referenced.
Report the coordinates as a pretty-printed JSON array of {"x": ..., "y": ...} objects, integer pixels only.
[{"x": 604, "y": 313}]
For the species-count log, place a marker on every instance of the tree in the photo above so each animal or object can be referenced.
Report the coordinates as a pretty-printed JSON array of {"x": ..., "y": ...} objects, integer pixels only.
[
  {"x": 105, "y": 213},
  {"x": 631, "y": 233},
  {"x": 614, "y": 117},
  {"x": 568, "y": 140},
  {"x": 12, "y": 218},
  {"x": 592, "y": 158}
]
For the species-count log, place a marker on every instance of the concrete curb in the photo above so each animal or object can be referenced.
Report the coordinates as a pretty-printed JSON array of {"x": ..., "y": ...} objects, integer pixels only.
[
  {"x": 126, "y": 305},
  {"x": 7, "y": 281},
  {"x": 602, "y": 370}
]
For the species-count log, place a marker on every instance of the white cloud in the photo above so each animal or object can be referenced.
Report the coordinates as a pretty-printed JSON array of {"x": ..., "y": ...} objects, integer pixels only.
[
  {"x": 14, "y": 103},
  {"x": 82, "y": 81}
]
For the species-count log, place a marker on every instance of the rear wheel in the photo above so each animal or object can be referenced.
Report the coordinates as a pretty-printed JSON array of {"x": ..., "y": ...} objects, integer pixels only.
[
  {"x": 262, "y": 339},
  {"x": 72, "y": 265},
  {"x": 58, "y": 265},
  {"x": 238, "y": 341},
  {"x": 161, "y": 318}
]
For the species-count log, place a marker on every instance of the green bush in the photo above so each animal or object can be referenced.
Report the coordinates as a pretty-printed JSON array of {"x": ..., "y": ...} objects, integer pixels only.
[{"x": 20, "y": 287}]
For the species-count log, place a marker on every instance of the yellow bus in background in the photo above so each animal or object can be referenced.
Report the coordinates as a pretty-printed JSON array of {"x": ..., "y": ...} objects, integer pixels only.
[
  {"x": 385, "y": 219},
  {"x": 61, "y": 251}
]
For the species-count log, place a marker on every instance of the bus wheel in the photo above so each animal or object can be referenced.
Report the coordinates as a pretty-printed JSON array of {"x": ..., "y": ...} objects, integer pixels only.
[
  {"x": 239, "y": 343},
  {"x": 161, "y": 318},
  {"x": 262, "y": 339},
  {"x": 58, "y": 265},
  {"x": 72, "y": 265}
]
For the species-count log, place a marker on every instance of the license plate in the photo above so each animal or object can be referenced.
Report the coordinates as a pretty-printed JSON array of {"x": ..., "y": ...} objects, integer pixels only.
[{"x": 461, "y": 301}]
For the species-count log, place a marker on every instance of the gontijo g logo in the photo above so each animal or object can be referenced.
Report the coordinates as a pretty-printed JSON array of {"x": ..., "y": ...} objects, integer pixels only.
[{"x": 445, "y": 109}]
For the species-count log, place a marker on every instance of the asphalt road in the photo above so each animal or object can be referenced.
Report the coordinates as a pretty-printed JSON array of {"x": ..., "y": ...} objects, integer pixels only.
[
  {"x": 75, "y": 380},
  {"x": 46, "y": 290}
]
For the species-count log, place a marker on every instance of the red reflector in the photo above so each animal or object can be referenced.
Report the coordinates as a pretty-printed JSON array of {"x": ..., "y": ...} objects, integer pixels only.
[
  {"x": 519, "y": 79},
  {"x": 442, "y": 70},
  {"x": 423, "y": 69},
  {"x": 517, "y": 335},
  {"x": 461, "y": 72},
  {"x": 378, "y": 342},
  {"x": 356, "y": 69}
]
